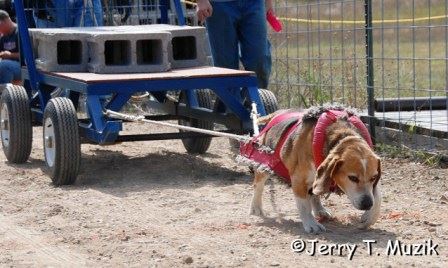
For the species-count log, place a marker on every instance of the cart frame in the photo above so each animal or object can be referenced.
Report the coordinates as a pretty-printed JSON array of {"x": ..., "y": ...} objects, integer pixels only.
[
  {"x": 103, "y": 130},
  {"x": 236, "y": 92}
]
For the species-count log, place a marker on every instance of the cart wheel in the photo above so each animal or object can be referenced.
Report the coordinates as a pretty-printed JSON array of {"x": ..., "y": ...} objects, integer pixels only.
[
  {"x": 269, "y": 100},
  {"x": 270, "y": 104},
  {"x": 198, "y": 145},
  {"x": 16, "y": 128},
  {"x": 61, "y": 141}
]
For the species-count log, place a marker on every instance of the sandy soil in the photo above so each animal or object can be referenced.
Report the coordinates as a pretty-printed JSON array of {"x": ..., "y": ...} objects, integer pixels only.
[{"x": 151, "y": 204}]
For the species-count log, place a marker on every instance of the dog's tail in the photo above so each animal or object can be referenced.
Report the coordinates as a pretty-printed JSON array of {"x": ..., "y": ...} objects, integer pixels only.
[{"x": 265, "y": 119}]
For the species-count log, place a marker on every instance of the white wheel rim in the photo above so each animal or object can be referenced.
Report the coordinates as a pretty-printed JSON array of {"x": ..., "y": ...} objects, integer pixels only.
[
  {"x": 49, "y": 142},
  {"x": 5, "y": 125}
]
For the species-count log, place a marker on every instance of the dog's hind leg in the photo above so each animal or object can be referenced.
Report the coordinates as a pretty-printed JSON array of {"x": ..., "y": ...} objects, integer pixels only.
[
  {"x": 318, "y": 209},
  {"x": 256, "y": 207}
]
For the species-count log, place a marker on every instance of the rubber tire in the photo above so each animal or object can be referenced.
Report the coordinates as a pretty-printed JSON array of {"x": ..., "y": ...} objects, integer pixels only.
[
  {"x": 21, "y": 130},
  {"x": 198, "y": 145},
  {"x": 270, "y": 104},
  {"x": 67, "y": 160},
  {"x": 269, "y": 100}
]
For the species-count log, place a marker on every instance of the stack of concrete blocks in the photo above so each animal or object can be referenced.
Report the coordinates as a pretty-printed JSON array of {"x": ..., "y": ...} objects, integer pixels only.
[{"x": 120, "y": 49}]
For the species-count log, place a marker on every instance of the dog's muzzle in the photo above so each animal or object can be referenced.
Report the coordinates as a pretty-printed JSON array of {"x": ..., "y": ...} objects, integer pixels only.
[{"x": 365, "y": 203}]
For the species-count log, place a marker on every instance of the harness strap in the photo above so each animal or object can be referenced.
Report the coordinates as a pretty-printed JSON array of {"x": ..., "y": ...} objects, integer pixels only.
[
  {"x": 277, "y": 119},
  {"x": 269, "y": 159},
  {"x": 324, "y": 121},
  {"x": 280, "y": 167}
]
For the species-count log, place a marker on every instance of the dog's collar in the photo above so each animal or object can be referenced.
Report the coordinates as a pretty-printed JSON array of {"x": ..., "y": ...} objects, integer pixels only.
[{"x": 325, "y": 120}]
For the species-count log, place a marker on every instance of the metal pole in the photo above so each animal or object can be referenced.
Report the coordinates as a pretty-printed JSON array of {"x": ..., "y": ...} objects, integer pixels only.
[
  {"x": 25, "y": 45},
  {"x": 370, "y": 72}
]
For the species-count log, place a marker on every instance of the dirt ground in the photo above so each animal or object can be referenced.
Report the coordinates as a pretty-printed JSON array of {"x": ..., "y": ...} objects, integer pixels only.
[{"x": 152, "y": 204}]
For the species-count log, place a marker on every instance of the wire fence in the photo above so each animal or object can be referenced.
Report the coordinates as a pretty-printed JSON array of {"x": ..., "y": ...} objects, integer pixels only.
[
  {"x": 321, "y": 56},
  {"x": 387, "y": 58}
]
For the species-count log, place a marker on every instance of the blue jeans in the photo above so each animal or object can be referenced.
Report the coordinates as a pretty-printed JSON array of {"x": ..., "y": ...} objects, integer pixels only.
[
  {"x": 9, "y": 71},
  {"x": 91, "y": 14},
  {"x": 237, "y": 31},
  {"x": 66, "y": 14}
]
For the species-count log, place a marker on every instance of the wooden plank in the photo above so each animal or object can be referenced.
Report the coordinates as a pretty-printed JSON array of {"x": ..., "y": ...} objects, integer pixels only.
[{"x": 197, "y": 72}]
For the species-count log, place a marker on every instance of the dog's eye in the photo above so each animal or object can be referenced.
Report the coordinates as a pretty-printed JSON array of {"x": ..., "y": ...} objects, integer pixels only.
[
  {"x": 353, "y": 179},
  {"x": 374, "y": 178}
]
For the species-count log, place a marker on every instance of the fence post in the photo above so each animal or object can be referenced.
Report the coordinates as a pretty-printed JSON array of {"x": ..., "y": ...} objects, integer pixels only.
[{"x": 370, "y": 72}]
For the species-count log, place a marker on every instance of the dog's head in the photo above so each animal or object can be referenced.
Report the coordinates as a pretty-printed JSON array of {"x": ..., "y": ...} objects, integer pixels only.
[{"x": 355, "y": 168}]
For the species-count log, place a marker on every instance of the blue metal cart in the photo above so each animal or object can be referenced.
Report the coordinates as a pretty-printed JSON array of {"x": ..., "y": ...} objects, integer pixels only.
[{"x": 204, "y": 98}]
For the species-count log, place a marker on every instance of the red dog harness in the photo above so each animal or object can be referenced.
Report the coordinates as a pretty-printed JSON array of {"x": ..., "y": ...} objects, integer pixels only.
[{"x": 272, "y": 160}]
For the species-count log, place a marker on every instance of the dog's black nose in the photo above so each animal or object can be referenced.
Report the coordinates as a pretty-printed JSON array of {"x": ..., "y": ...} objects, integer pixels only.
[{"x": 366, "y": 203}]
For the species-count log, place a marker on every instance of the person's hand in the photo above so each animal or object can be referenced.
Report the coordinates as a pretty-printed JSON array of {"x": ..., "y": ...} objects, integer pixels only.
[
  {"x": 5, "y": 54},
  {"x": 269, "y": 7},
  {"x": 203, "y": 10}
]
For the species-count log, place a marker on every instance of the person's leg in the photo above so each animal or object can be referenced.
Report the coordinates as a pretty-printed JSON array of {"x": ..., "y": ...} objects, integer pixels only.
[
  {"x": 47, "y": 16},
  {"x": 90, "y": 12},
  {"x": 221, "y": 29},
  {"x": 62, "y": 10},
  {"x": 9, "y": 71},
  {"x": 98, "y": 10},
  {"x": 93, "y": 13},
  {"x": 43, "y": 23},
  {"x": 255, "y": 47}
]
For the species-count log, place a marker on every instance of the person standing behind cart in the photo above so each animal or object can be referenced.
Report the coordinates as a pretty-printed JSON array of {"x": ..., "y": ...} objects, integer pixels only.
[
  {"x": 237, "y": 30},
  {"x": 9, "y": 50},
  {"x": 68, "y": 13}
]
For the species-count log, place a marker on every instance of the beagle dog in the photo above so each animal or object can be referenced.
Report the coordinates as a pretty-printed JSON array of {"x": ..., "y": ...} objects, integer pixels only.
[{"x": 347, "y": 163}]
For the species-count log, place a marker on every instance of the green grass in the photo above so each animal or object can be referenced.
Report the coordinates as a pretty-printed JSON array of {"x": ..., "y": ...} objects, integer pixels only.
[
  {"x": 428, "y": 158},
  {"x": 314, "y": 67}
]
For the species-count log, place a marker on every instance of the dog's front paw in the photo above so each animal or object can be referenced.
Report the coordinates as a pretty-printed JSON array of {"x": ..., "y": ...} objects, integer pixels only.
[
  {"x": 368, "y": 218},
  {"x": 312, "y": 226},
  {"x": 256, "y": 211},
  {"x": 322, "y": 213}
]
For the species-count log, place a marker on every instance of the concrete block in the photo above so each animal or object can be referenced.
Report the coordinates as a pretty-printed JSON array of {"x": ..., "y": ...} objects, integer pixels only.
[
  {"x": 60, "y": 50},
  {"x": 188, "y": 47},
  {"x": 123, "y": 51}
]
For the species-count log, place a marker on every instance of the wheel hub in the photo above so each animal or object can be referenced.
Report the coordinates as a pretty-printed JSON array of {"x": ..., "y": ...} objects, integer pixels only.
[
  {"x": 49, "y": 145},
  {"x": 4, "y": 125},
  {"x": 49, "y": 142}
]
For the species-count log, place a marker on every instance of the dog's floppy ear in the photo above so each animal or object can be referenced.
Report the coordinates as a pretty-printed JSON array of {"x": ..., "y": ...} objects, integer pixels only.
[
  {"x": 325, "y": 172},
  {"x": 378, "y": 177}
]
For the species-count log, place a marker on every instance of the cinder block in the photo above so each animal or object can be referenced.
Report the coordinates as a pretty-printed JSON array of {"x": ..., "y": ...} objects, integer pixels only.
[
  {"x": 120, "y": 49},
  {"x": 60, "y": 50},
  {"x": 188, "y": 46},
  {"x": 116, "y": 51}
]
